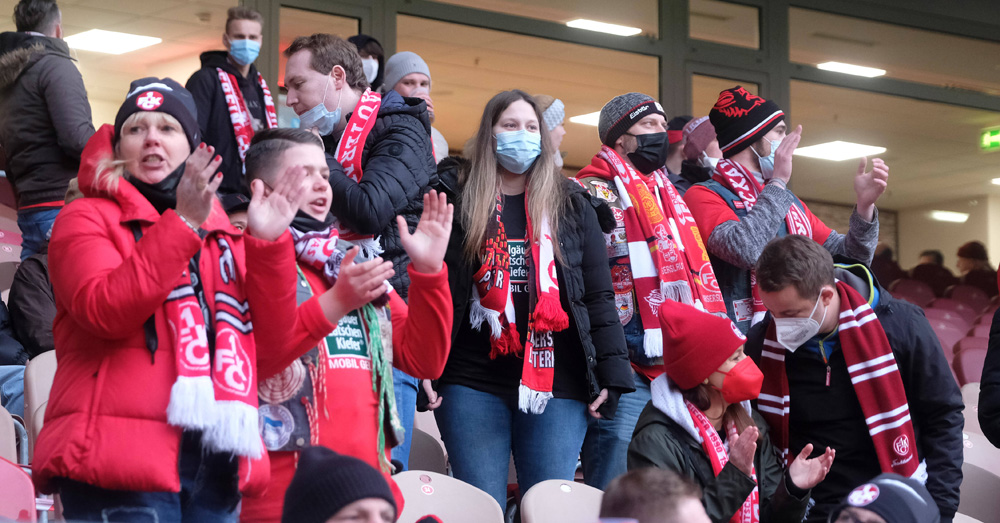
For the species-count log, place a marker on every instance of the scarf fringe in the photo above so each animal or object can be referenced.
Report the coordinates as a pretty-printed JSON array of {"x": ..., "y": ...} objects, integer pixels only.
[
  {"x": 532, "y": 401},
  {"x": 369, "y": 248},
  {"x": 652, "y": 343},
  {"x": 549, "y": 314},
  {"x": 237, "y": 430},
  {"x": 192, "y": 403},
  {"x": 678, "y": 291},
  {"x": 479, "y": 315},
  {"x": 509, "y": 343}
]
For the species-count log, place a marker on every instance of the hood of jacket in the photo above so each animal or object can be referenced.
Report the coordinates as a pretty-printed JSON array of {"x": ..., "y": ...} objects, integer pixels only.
[
  {"x": 395, "y": 103},
  {"x": 859, "y": 278},
  {"x": 20, "y": 51},
  {"x": 213, "y": 59}
]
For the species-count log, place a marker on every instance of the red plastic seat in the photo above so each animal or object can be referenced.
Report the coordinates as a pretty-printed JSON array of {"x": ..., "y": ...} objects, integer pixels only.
[
  {"x": 980, "y": 331},
  {"x": 915, "y": 292},
  {"x": 949, "y": 339},
  {"x": 954, "y": 305},
  {"x": 938, "y": 278},
  {"x": 968, "y": 365},
  {"x": 971, "y": 296},
  {"x": 971, "y": 343},
  {"x": 17, "y": 497},
  {"x": 947, "y": 318}
]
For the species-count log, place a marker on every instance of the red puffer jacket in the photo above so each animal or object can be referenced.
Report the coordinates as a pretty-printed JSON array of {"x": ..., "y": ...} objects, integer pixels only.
[{"x": 106, "y": 422}]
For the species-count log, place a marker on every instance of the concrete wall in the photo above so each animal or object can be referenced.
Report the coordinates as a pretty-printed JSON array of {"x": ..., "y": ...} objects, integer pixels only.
[{"x": 918, "y": 232}]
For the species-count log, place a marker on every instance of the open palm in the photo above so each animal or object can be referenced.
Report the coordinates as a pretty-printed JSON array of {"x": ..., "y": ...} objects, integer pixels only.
[
  {"x": 426, "y": 246},
  {"x": 807, "y": 473}
]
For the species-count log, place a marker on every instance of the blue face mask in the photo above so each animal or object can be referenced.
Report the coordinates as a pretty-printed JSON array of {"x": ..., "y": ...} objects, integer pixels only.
[
  {"x": 320, "y": 117},
  {"x": 517, "y": 150},
  {"x": 244, "y": 52},
  {"x": 767, "y": 162}
]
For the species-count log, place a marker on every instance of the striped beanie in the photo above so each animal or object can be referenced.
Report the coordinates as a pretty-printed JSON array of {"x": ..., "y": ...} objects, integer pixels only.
[{"x": 741, "y": 118}]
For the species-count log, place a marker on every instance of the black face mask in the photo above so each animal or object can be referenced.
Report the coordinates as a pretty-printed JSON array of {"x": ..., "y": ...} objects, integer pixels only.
[
  {"x": 305, "y": 223},
  {"x": 162, "y": 194},
  {"x": 650, "y": 153}
]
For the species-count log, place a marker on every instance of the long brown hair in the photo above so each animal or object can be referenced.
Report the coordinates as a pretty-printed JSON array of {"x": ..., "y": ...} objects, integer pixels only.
[
  {"x": 481, "y": 183},
  {"x": 701, "y": 397}
]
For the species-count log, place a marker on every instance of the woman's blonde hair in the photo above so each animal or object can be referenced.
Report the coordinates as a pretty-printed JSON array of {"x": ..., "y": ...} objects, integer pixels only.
[
  {"x": 481, "y": 182},
  {"x": 110, "y": 170}
]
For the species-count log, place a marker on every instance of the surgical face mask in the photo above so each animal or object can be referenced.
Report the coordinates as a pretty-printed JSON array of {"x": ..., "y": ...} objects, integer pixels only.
[
  {"x": 320, "y": 117},
  {"x": 791, "y": 333},
  {"x": 370, "y": 65},
  {"x": 517, "y": 150},
  {"x": 708, "y": 162},
  {"x": 244, "y": 52},
  {"x": 742, "y": 382},
  {"x": 767, "y": 162},
  {"x": 650, "y": 152}
]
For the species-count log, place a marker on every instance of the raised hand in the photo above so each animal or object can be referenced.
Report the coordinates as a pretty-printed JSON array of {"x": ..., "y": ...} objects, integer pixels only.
[
  {"x": 870, "y": 186},
  {"x": 783, "y": 156},
  {"x": 357, "y": 285},
  {"x": 427, "y": 245},
  {"x": 270, "y": 215},
  {"x": 807, "y": 473},
  {"x": 742, "y": 448},
  {"x": 198, "y": 184}
]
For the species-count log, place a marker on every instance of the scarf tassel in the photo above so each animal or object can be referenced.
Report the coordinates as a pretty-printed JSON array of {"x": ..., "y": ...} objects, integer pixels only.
[
  {"x": 549, "y": 314},
  {"x": 479, "y": 315},
  {"x": 509, "y": 343},
  {"x": 237, "y": 430},
  {"x": 192, "y": 403},
  {"x": 652, "y": 343},
  {"x": 532, "y": 401}
]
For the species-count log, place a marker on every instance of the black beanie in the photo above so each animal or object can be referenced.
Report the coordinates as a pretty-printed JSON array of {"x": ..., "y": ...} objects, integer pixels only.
[
  {"x": 896, "y": 498},
  {"x": 326, "y": 482},
  {"x": 741, "y": 118},
  {"x": 164, "y": 96}
]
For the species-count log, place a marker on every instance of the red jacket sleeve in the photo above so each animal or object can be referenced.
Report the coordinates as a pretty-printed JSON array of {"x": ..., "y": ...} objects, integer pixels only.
[
  {"x": 708, "y": 208},
  {"x": 107, "y": 294},
  {"x": 421, "y": 331},
  {"x": 821, "y": 232}
]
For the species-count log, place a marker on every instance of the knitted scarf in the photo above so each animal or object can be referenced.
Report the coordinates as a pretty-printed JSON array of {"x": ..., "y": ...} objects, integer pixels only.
[
  {"x": 238, "y": 113},
  {"x": 876, "y": 380},
  {"x": 737, "y": 179},
  {"x": 491, "y": 296},
  {"x": 216, "y": 389},
  {"x": 719, "y": 456},
  {"x": 666, "y": 253},
  {"x": 349, "y": 152}
]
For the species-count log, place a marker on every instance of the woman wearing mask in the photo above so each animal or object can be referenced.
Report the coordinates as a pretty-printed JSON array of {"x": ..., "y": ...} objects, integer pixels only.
[
  {"x": 537, "y": 344},
  {"x": 703, "y": 399},
  {"x": 372, "y": 59},
  {"x": 153, "y": 409}
]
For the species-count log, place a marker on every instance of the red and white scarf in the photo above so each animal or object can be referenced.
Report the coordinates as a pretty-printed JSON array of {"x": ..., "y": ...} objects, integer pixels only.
[
  {"x": 492, "y": 296},
  {"x": 737, "y": 179},
  {"x": 215, "y": 391},
  {"x": 876, "y": 380},
  {"x": 718, "y": 456},
  {"x": 318, "y": 249},
  {"x": 349, "y": 152},
  {"x": 666, "y": 253},
  {"x": 239, "y": 115}
]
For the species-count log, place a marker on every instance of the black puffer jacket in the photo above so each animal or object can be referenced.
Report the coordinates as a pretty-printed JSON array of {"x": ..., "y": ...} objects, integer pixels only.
[
  {"x": 397, "y": 170},
  {"x": 989, "y": 393},
  {"x": 213, "y": 113},
  {"x": 33, "y": 305},
  {"x": 44, "y": 116},
  {"x": 584, "y": 285}
]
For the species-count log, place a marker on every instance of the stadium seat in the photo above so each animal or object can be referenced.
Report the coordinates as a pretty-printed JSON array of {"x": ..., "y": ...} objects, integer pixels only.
[
  {"x": 968, "y": 365},
  {"x": 426, "y": 453},
  {"x": 948, "y": 337},
  {"x": 38, "y": 376},
  {"x": 970, "y": 397},
  {"x": 8, "y": 436},
  {"x": 971, "y": 296},
  {"x": 445, "y": 497},
  {"x": 915, "y": 292},
  {"x": 936, "y": 277},
  {"x": 962, "y": 518},
  {"x": 17, "y": 497},
  {"x": 941, "y": 317},
  {"x": 971, "y": 343},
  {"x": 980, "y": 331},
  {"x": 961, "y": 308},
  {"x": 978, "y": 495},
  {"x": 558, "y": 501}
]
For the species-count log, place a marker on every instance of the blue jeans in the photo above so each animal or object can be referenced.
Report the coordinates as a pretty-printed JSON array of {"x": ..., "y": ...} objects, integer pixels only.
[
  {"x": 209, "y": 493},
  {"x": 605, "y": 448},
  {"x": 35, "y": 226},
  {"x": 480, "y": 430},
  {"x": 405, "y": 388},
  {"x": 12, "y": 389}
]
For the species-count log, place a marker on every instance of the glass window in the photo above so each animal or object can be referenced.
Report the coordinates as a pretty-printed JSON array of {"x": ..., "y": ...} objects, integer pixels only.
[
  {"x": 469, "y": 65},
  {"x": 724, "y": 23},
  {"x": 705, "y": 91},
  {"x": 901, "y": 52},
  {"x": 640, "y": 15}
]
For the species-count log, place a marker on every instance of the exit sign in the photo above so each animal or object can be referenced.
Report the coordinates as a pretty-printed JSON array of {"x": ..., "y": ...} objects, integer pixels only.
[{"x": 990, "y": 140}]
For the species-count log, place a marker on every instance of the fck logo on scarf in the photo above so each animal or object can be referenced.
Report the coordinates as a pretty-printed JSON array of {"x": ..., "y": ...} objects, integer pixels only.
[
  {"x": 232, "y": 363},
  {"x": 193, "y": 339}
]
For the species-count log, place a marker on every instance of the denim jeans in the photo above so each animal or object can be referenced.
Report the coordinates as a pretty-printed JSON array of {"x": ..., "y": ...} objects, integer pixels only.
[
  {"x": 480, "y": 430},
  {"x": 12, "y": 389},
  {"x": 35, "y": 226},
  {"x": 606, "y": 446},
  {"x": 405, "y": 388},
  {"x": 209, "y": 493}
]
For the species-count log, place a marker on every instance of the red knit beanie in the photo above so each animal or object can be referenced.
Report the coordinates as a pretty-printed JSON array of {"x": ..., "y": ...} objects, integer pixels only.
[
  {"x": 699, "y": 133},
  {"x": 695, "y": 343}
]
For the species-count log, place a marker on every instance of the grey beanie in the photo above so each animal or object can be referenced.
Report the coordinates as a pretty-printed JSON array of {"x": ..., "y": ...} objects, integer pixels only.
[
  {"x": 622, "y": 112},
  {"x": 402, "y": 64}
]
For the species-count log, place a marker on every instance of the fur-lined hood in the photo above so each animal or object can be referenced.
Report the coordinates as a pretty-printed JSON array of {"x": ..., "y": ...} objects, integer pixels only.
[{"x": 20, "y": 51}]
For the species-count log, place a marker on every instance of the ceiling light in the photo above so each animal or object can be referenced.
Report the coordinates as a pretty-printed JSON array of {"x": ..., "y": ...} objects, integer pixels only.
[
  {"x": 857, "y": 70},
  {"x": 949, "y": 216},
  {"x": 601, "y": 27},
  {"x": 838, "y": 151},
  {"x": 110, "y": 42},
  {"x": 587, "y": 119},
  {"x": 996, "y": 181}
]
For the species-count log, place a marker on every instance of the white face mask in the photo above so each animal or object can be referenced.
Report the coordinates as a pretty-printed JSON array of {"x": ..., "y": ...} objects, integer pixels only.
[
  {"x": 791, "y": 333},
  {"x": 708, "y": 162},
  {"x": 370, "y": 65}
]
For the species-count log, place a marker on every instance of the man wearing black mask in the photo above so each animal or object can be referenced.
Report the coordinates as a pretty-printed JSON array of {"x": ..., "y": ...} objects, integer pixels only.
[{"x": 655, "y": 253}]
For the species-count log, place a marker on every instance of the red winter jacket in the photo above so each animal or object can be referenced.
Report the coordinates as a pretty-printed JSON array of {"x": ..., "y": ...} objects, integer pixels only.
[{"x": 106, "y": 422}]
